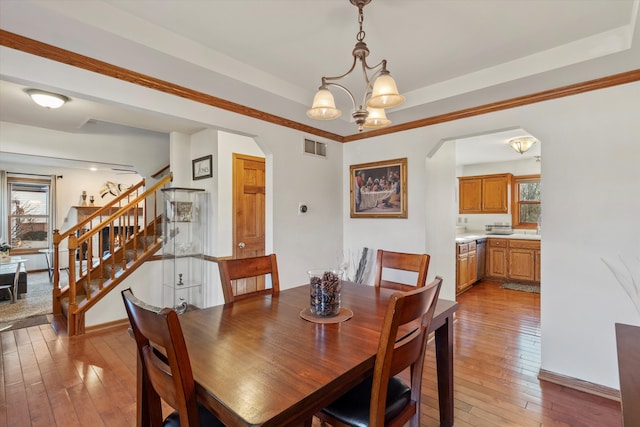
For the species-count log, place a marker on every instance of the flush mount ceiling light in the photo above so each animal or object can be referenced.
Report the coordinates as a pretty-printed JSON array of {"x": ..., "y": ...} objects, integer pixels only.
[
  {"x": 522, "y": 143},
  {"x": 47, "y": 99},
  {"x": 380, "y": 88}
]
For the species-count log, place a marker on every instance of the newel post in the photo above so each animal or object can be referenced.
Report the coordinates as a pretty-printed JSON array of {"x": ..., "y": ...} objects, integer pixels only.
[
  {"x": 73, "y": 305},
  {"x": 57, "y": 307}
]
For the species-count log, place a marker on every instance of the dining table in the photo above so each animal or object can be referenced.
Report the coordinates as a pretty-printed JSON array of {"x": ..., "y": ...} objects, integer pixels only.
[{"x": 257, "y": 362}]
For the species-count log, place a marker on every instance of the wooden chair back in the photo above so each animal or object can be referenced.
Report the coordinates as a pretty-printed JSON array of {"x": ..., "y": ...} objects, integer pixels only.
[
  {"x": 234, "y": 269},
  {"x": 165, "y": 362},
  {"x": 400, "y": 348},
  {"x": 418, "y": 263}
]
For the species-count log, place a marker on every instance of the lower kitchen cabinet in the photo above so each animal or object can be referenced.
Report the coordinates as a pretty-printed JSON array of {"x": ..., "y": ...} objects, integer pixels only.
[
  {"x": 497, "y": 258},
  {"x": 466, "y": 266},
  {"x": 521, "y": 264},
  {"x": 514, "y": 259}
]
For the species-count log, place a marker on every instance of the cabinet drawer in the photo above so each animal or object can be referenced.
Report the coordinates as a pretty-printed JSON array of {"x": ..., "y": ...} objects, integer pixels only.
[
  {"x": 462, "y": 248},
  {"x": 497, "y": 243},
  {"x": 472, "y": 246},
  {"x": 524, "y": 244}
]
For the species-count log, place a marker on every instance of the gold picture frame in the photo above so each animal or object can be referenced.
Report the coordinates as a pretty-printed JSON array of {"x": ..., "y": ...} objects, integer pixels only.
[{"x": 379, "y": 189}]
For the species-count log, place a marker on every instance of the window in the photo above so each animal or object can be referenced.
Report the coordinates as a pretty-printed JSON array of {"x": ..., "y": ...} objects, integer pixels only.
[
  {"x": 527, "y": 209},
  {"x": 28, "y": 214}
]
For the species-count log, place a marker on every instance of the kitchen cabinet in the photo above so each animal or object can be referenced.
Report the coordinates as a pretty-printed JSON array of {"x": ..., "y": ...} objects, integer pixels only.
[
  {"x": 497, "y": 258},
  {"x": 514, "y": 259},
  {"x": 466, "y": 266},
  {"x": 484, "y": 193}
]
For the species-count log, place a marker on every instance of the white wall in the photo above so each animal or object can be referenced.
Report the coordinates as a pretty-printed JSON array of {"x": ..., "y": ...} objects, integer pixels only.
[
  {"x": 591, "y": 205},
  {"x": 591, "y": 201},
  {"x": 147, "y": 152},
  {"x": 301, "y": 242},
  {"x": 409, "y": 235},
  {"x": 111, "y": 308}
]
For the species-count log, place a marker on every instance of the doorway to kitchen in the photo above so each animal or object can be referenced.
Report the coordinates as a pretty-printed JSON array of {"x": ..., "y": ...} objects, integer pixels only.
[{"x": 498, "y": 227}]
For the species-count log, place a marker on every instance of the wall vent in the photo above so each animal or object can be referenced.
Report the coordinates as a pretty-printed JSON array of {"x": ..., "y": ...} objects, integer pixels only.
[{"x": 315, "y": 148}]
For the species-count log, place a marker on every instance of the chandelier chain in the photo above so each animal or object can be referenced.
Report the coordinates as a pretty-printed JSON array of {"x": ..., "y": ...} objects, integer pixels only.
[{"x": 361, "y": 33}]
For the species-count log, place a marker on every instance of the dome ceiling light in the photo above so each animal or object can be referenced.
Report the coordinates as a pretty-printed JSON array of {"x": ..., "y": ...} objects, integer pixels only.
[
  {"x": 47, "y": 99},
  {"x": 522, "y": 143}
]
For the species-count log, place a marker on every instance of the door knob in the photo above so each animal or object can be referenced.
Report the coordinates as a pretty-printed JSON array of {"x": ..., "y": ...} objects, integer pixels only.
[{"x": 241, "y": 245}]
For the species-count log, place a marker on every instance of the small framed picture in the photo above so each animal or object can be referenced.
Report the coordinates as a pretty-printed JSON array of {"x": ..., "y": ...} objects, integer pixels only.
[
  {"x": 183, "y": 211},
  {"x": 202, "y": 167}
]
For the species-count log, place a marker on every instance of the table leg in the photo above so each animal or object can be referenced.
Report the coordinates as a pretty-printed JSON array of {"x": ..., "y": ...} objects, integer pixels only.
[
  {"x": 444, "y": 365},
  {"x": 49, "y": 266}
]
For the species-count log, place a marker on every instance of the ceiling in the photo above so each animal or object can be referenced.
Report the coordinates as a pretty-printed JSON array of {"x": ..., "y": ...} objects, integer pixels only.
[{"x": 445, "y": 55}]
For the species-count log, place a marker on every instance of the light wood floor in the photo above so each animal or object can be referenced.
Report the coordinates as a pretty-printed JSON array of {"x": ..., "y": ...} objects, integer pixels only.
[{"x": 49, "y": 380}]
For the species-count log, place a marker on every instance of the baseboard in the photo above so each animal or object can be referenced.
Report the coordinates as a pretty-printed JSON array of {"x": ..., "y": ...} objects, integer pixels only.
[
  {"x": 581, "y": 385},
  {"x": 107, "y": 325}
]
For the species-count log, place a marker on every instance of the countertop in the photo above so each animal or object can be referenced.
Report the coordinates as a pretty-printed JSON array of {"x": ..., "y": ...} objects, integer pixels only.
[{"x": 470, "y": 237}]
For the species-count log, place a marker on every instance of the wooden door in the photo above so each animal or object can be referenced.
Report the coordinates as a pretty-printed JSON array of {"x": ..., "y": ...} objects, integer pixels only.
[{"x": 248, "y": 214}]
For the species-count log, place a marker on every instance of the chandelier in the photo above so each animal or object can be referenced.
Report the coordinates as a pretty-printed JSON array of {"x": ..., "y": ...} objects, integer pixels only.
[
  {"x": 522, "y": 143},
  {"x": 382, "y": 94}
]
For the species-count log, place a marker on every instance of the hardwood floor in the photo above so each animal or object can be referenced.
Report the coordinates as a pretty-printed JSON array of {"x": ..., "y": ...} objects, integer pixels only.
[
  {"x": 49, "y": 380},
  {"x": 497, "y": 358}
]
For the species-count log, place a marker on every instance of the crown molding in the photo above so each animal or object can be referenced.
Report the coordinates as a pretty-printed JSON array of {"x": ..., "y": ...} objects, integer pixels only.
[{"x": 44, "y": 50}]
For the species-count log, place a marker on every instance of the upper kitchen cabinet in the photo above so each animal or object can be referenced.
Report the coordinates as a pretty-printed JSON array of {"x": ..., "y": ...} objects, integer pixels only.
[{"x": 484, "y": 193}]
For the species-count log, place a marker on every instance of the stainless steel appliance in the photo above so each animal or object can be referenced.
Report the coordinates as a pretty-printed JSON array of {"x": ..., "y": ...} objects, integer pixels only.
[{"x": 481, "y": 257}]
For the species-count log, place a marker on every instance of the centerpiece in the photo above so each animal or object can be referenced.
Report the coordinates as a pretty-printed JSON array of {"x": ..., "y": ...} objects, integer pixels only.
[{"x": 325, "y": 286}]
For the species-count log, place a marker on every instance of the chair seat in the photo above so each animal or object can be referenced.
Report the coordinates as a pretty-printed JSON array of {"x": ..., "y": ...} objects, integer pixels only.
[
  {"x": 207, "y": 419},
  {"x": 353, "y": 407}
]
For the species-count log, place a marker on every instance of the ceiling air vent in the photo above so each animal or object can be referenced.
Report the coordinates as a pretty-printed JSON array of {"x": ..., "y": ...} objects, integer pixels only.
[{"x": 315, "y": 148}]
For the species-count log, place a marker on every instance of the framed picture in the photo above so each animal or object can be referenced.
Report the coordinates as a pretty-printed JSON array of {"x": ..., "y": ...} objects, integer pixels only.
[
  {"x": 202, "y": 167},
  {"x": 379, "y": 189},
  {"x": 182, "y": 211}
]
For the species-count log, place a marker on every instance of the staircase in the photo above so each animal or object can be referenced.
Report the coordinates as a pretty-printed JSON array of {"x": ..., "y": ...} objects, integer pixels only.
[{"x": 104, "y": 249}]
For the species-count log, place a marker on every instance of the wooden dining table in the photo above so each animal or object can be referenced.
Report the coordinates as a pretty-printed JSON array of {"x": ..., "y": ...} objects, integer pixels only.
[{"x": 256, "y": 362}]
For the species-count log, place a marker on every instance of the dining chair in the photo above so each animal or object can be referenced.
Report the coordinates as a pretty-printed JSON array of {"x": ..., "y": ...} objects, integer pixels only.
[
  {"x": 245, "y": 268},
  {"x": 166, "y": 369},
  {"x": 387, "y": 260},
  {"x": 383, "y": 399}
]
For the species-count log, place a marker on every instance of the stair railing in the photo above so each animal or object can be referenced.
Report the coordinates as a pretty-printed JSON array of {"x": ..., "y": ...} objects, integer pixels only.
[{"x": 104, "y": 247}]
